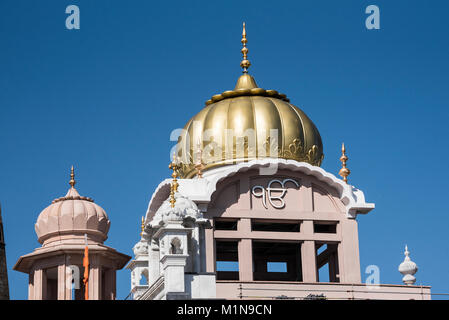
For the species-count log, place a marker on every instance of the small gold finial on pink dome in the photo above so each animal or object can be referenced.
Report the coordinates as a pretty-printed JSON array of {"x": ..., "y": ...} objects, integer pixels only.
[
  {"x": 344, "y": 172},
  {"x": 72, "y": 181}
]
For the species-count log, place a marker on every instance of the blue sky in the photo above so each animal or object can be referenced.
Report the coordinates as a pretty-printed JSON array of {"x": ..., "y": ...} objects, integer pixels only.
[{"x": 106, "y": 97}]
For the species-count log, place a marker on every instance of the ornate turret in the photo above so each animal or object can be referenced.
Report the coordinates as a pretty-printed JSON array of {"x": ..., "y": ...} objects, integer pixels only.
[{"x": 64, "y": 229}]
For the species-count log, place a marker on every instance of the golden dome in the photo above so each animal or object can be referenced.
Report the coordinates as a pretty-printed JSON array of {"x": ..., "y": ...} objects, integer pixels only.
[
  {"x": 236, "y": 126},
  {"x": 244, "y": 124}
]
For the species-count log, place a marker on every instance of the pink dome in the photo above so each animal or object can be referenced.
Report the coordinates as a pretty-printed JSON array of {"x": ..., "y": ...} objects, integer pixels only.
[{"x": 70, "y": 217}]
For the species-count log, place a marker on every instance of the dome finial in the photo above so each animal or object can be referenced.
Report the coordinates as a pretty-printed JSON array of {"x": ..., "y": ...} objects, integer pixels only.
[
  {"x": 142, "y": 227},
  {"x": 344, "y": 172},
  {"x": 245, "y": 62},
  {"x": 408, "y": 269},
  {"x": 72, "y": 181},
  {"x": 174, "y": 185}
]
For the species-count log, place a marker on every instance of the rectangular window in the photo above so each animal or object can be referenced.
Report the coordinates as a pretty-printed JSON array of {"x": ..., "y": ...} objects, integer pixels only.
[
  {"x": 227, "y": 264},
  {"x": 226, "y": 224},
  {"x": 325, "y": 227},
  {"x": 277, "y": 261},
  {"x": 275, "y": 226}
]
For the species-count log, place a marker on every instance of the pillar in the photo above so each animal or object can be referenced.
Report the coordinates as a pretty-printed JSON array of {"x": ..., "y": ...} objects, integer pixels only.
[
  {"x": 153, "y": 263},
  {"x": 308, "y": 252},
  {"x": 210, "y": 249},
  {"x": 308, "y": 258},
  {"x": 64, "y": 282},
  {"x": 94, "y": 278},
  {"x": 348, "y": 253},
  {"x": 245, "y": 252},
  {"x": 40, "y": 285}
]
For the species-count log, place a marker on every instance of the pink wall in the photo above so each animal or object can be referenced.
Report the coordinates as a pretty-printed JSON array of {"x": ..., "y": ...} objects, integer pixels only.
[{"x": 311, "y": 201}]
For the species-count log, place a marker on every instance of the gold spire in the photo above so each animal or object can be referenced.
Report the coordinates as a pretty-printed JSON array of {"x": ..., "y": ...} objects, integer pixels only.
[
  {"x": 199, "y": 166},
  {"x": 245, "y": 62},
  {"x": 174, "y": 185},
  {"x": 142, "y": 227},
  {"x": 72, "y": 181},
  {"x": 344, "y": 172}
]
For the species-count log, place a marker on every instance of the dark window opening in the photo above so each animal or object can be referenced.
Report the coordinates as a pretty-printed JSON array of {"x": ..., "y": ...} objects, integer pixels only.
[
  {"x": 277, "y": 261},
  {"x": 325, "y": 227},
  {"x": 288, "y": 226},
  {"x": 226, "y": 224},
  {"x": 227, "y": 261},
  {"x": 51, "y": 276},
  {"x": 327, "y": 262}
]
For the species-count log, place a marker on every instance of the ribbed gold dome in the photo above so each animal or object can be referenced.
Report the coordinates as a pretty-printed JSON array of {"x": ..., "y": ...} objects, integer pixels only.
[{"x": 235, "y": 127}]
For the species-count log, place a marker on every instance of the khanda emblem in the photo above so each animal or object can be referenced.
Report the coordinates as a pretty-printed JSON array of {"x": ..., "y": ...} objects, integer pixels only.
[{"x": 274, "y": 195}]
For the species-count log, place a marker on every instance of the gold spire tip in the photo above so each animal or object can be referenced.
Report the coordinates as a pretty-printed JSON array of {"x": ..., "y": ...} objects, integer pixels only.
[
  {"x": 344, "y": 172},
  {"x": 142, "y": 227},
  {"x": 72, "y": 181},
  {"x": 174, "y": 185},
  {"x": 245, "y": 64}
]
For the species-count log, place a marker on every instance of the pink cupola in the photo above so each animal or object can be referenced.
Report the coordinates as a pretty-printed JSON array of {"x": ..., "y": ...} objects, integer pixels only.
[
  {"x": 64, "y": 229},
  {"x": 70, "y": 217}
]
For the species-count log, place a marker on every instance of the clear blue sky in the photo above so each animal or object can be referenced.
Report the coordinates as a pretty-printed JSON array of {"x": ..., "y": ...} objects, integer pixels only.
[{"x": 106, "y": 97}]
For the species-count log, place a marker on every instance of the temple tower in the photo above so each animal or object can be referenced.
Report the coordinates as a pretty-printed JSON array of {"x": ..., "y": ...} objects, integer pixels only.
[
  {"x": 255, "y": 212},
  {"x": 4, "y": 289},
  {"x": 56, "y": 269}
]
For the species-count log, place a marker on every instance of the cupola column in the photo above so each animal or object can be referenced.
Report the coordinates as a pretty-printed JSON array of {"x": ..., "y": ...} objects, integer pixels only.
[
  {"x": 40, "y": 285},
  {"x": 64, "y": 282}
]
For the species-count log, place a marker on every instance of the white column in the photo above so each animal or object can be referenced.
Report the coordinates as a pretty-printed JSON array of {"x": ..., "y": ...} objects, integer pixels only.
[
  {"x": 173, "y": 266},
  {"x": 196, "y": 249},
  {"x": 153, "y": 262}
]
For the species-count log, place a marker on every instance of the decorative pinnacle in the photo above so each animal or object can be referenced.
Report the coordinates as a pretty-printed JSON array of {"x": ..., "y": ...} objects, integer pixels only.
[
  {"x": 245, "y": 62},
  {"x": 344, "y": 172},
  {"x": 72, "y": 181},
  {"x": 199, "y": 166},
  {"x": 174, "y": 185},
  {"x": 408, "y": 269},
  {"x": 142, "y": 227}
]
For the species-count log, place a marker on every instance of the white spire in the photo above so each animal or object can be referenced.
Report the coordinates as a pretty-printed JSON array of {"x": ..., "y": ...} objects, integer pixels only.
[{"x": 408, "y": 268}]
